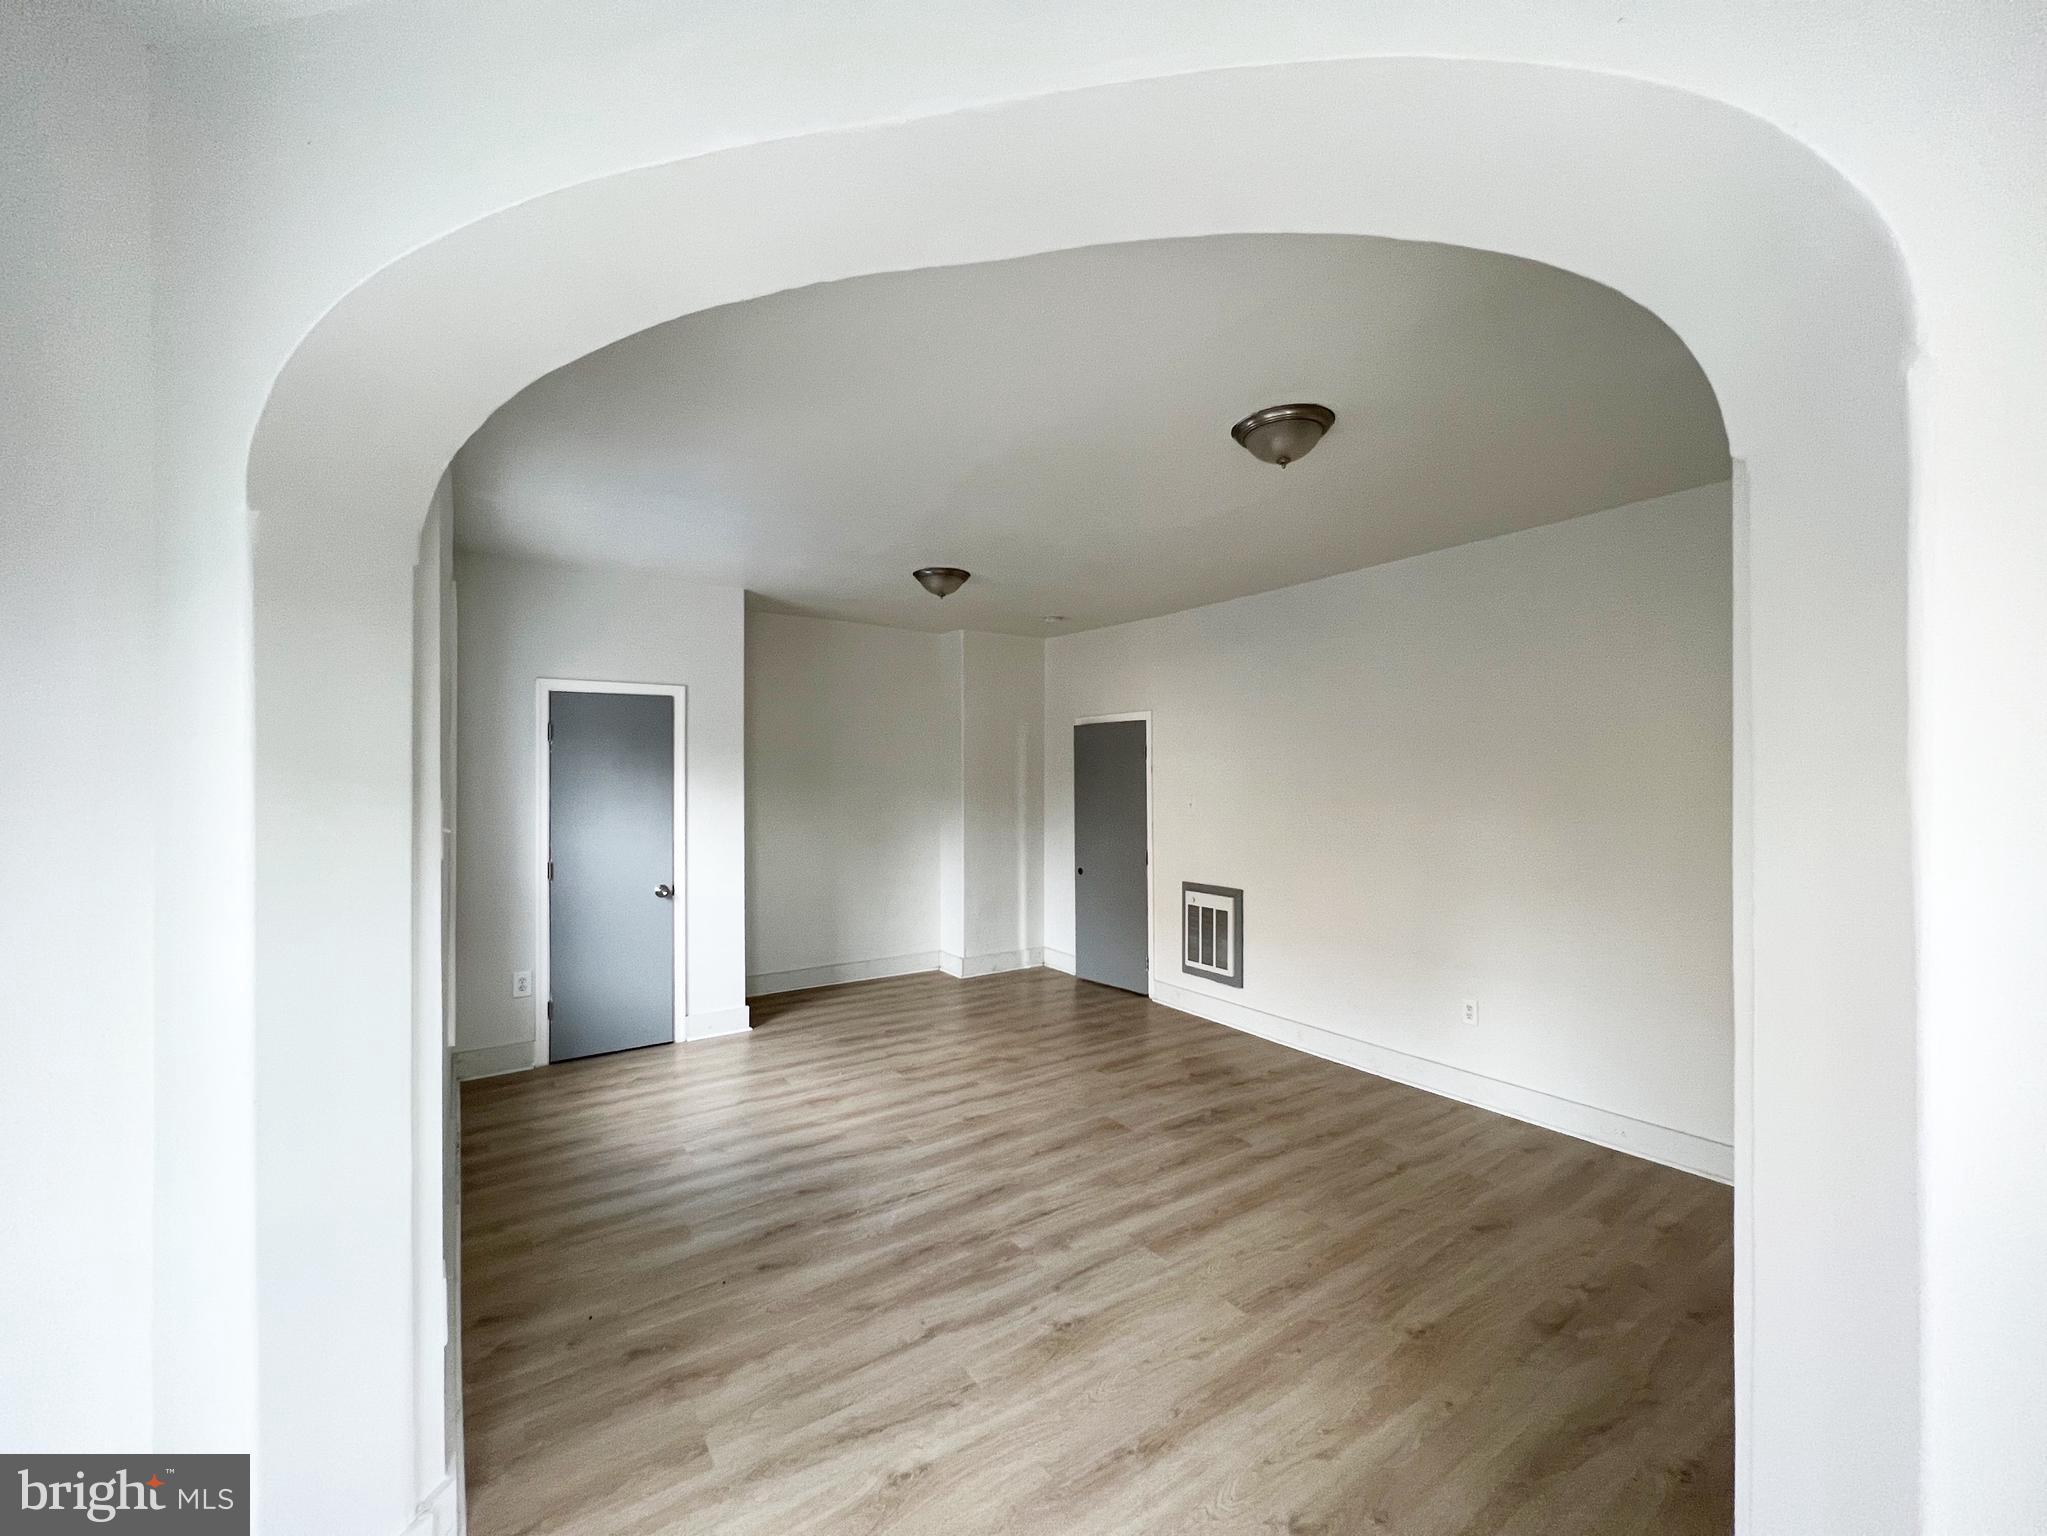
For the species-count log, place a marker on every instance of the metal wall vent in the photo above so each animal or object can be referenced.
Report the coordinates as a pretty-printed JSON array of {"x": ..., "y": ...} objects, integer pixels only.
[{"x": 1212, "y": 932}]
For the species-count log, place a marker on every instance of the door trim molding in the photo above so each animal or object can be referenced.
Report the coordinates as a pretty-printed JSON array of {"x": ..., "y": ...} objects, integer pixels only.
[
  {"x": 542, "y": 939},
  {"x": 1151, "y": 915}
]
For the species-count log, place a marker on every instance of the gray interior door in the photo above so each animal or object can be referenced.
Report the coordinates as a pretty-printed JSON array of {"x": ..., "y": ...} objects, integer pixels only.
[
  {"x": 611, "y": 852},
  {"x": 1110, "y": 902}
]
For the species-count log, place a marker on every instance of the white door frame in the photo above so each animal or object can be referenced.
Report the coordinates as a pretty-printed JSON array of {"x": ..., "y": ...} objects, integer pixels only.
[
  {"x": 542, "y": 982},
  {"x": 1151, "y": 948}
]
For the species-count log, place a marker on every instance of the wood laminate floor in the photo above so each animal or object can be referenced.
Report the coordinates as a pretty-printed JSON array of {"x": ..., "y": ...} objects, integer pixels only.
[{"x": 1024, "y": 1255}]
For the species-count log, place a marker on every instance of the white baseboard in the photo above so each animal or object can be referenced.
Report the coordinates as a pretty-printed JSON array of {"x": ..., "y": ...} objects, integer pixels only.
[
  {"x": 496, "y": 1060},
  {"x": 439, "y": 1511},
  {"x": 769, "y": 982},
  {"x": 493, "y": 1060},
  {"x": 721, "y": 1021},
  {"x": 968, "y": 966},
  {"x": 1060, "y": 960},
  {"x": 1603, "y": 1127}
]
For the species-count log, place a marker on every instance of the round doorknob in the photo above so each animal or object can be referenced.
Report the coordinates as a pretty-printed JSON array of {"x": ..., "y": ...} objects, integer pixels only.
[{"x": 665, "y": 892}]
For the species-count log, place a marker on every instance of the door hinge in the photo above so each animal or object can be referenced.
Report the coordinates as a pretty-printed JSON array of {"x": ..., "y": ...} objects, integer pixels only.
[
  {"x": 550, "y": 1010},
  {"x": 550, "y": 869},
  {"x": 550, "y": 733}
]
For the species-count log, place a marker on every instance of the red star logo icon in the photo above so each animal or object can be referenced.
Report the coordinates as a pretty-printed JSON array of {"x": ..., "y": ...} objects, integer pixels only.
[{"x": 154, "y": 1481}]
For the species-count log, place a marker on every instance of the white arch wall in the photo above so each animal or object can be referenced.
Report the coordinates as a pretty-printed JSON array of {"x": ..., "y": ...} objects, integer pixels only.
[
  {"x": 293, "y": 164},
  {"x": 1809, "y": 363}
]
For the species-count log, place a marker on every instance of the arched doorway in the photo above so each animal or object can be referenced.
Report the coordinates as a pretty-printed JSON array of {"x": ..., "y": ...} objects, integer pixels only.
[{"x": 1755, "y": 252}]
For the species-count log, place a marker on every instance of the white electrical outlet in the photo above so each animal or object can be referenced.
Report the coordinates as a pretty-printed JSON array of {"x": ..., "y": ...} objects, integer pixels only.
[
  {"x": 522, "y": 983},
  {"x": 1471, "y": 1010}
]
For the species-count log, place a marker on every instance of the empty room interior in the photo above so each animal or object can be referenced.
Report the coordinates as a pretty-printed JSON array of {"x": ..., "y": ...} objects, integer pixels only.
[
  {"x": 977, "y": 769},
  {"x": 1097, "y": 887}
]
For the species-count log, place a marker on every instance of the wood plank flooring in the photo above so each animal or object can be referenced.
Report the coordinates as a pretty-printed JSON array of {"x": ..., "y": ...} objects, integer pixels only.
[{"x": 1024, "y": 1255}]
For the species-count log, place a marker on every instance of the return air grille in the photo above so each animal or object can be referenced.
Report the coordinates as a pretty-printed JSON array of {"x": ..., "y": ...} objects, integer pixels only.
[{"x": 1212, "y": 932}]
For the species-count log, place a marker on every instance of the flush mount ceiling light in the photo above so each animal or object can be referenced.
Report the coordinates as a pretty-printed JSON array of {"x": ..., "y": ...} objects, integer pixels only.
[
  {"x": 1279, "y": 434},
  {"x": 941, "y": 580}
]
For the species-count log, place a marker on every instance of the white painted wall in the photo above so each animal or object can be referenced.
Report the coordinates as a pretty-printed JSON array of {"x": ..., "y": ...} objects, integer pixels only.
[
  {"x": 521, "y": 621},
  {"x": 76, "y": 770},
  {"x": 1497, "y": 772},
  {"x": 1001, "y": 801},
  {"x": 847, "y": 786},
  {"x": 894, "y": 801},
  {"x": 950, "y": 752}
]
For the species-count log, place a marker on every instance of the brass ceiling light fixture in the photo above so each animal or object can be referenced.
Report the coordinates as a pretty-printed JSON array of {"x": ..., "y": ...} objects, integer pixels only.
[
  {"x": 941, "y": 581},
  {"x": 1280, "y": 434}
]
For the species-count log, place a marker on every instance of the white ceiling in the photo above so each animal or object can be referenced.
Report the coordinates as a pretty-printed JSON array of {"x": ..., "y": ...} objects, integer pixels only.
[
  {"x": 1059, "y": 425},
  {"x": 166, "y": 20}
]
